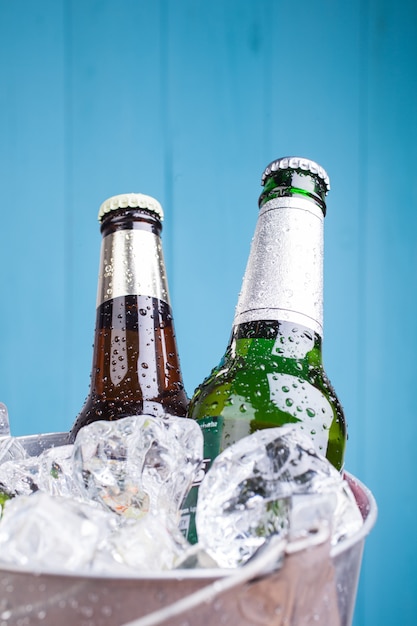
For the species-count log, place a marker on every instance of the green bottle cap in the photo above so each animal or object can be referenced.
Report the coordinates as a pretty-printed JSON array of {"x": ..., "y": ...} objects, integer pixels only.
[
  {"x": 296, "y": 163},
  {"x": 133, "y": 201}
]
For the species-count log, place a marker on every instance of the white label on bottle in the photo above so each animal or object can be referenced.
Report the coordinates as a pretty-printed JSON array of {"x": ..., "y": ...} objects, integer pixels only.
[
  {"x": 301, "y": 400},
  {"x": 132, "y": 263},
  {"x": 184, "y": 523},
  {"x": 284, "y": 274}
]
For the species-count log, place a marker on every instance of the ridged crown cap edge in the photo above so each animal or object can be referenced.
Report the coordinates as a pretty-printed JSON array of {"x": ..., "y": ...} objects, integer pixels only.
[
  {"x": 297, "y": 163},
  {"x": 132, "y": 200}
]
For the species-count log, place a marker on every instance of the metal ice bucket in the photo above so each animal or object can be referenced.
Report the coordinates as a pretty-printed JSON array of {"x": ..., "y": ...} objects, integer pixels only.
[{"x": 314, "y": 584}]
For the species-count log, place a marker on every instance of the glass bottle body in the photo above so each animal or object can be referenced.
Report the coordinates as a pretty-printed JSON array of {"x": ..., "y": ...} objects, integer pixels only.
[
  {"x": 270, "y": 375},
  {"x": 136, "y": 367}
]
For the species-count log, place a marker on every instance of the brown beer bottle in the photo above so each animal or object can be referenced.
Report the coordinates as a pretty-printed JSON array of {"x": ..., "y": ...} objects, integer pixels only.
[{"x": 136, "y": 368}]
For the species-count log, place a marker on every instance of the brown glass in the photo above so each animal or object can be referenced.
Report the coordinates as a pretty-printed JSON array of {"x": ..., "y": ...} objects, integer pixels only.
[{"x": 136, "y": 367}]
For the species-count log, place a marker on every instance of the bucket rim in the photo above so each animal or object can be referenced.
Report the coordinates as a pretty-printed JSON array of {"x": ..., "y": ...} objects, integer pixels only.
[{"x": 369, "y": 510}]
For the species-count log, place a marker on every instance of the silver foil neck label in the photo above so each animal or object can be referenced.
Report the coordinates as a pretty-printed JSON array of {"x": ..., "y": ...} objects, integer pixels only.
[
  {"x": 284, "y": 273},
  {"x": 132, "y": 263}
]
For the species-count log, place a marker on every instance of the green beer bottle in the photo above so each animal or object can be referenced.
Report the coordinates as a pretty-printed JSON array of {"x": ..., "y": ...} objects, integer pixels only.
[{"x": 272, "y": 372}]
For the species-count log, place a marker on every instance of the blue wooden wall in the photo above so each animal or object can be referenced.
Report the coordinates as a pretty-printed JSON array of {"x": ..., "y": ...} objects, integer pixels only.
[{"x": 188, "y": 101}]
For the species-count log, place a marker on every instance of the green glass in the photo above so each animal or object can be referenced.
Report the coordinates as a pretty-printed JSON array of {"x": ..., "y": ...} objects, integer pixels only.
[
  {"x": 4, "y": 496},
  {"x": 292, "y": 183},
  {"x": 263, "y": 382},
  {"x": 272, "y": 372}
]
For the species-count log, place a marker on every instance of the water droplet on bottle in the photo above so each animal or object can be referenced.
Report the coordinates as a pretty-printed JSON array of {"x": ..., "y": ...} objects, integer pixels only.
[
  {"x": 144, "y": 365},
  {"x": 285, "y": 389},
  {"x": 106, "y": 610},
  {"x": 142, "y": 311},
  {"x": 310, "y": 412},
  {"x": 243, "y": 408},
  {"x": 289, "y": 402}
]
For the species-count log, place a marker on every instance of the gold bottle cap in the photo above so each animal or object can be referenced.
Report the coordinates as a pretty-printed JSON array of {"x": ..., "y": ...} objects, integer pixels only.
[
  {"x": 132, "y": 200},
  {"x": 296, "y": 163}
]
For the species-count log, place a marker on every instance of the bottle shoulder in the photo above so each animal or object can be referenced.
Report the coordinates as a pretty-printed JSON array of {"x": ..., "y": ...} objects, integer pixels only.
[
  {"x": 255, "y": 382},
  {"x": 257, "y": 348},
  {"x": 249, "y": 372},
  {"x": 242, "y": 395}
]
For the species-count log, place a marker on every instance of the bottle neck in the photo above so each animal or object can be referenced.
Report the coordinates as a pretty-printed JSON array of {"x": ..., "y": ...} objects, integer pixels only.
[
  {"x": 284, "y": 275},
  {"x": 132, "y": 262}
]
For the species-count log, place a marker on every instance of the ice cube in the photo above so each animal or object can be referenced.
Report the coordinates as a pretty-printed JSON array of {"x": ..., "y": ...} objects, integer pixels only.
[
  {"x": 138, "y": 464},
  {"x": 51, "y": 472},
  {"x": 55, "y": 533},
  {"x": 55, "y": 472},
  {"x": 152, "y": 543},
  {"x": 4, "y": 420},
  {"x": 271, "y": 482},
  {"x": 11, "y": 450},
  {"x": 19, "y": 476}
]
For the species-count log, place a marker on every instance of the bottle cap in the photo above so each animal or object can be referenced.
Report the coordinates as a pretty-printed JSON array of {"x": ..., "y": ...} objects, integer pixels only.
[
  {"x": 132, "y": 200},
  {"x": 296, "y": 163}
]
